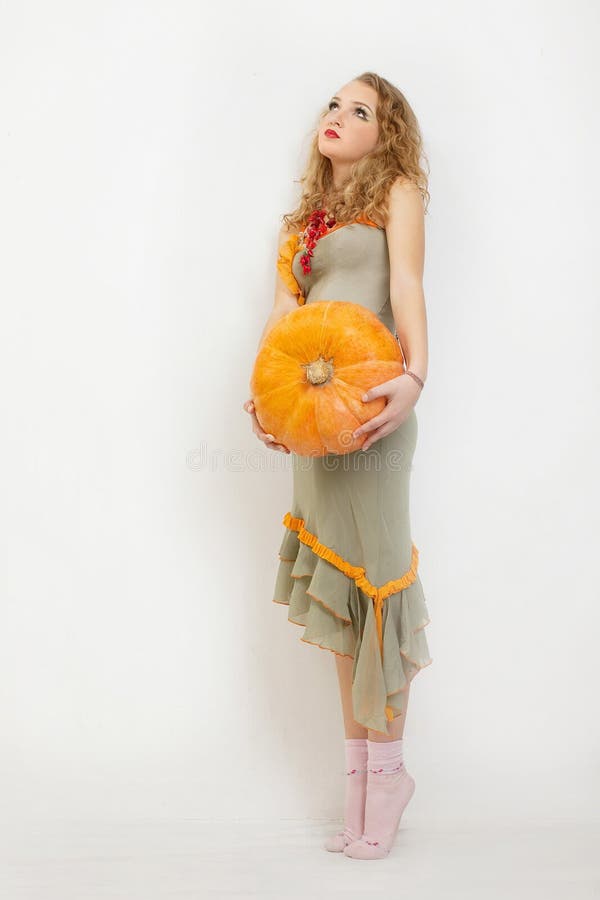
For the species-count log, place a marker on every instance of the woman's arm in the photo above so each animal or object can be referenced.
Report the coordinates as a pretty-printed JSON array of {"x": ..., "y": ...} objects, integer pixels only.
[
  {"x": 284, "y": 301},
  {"x": 405, "y": 231},
  {"x": 405, "y": 236}
]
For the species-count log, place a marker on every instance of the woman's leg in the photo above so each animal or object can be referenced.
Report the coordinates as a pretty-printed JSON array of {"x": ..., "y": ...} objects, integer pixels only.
[
  {"x": 352, "y": 729},
  {"x": 355, "y": 757},
  {"x": 389, "y": 788}
]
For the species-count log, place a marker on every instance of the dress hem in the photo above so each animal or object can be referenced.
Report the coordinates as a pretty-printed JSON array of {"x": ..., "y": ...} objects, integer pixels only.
[
  {"x": 323, "y": 646},
  {"x": 377, "y": 594}
]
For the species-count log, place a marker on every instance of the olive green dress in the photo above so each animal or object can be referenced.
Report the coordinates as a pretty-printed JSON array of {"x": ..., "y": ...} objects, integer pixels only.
[{"x": 348, "y": 569}]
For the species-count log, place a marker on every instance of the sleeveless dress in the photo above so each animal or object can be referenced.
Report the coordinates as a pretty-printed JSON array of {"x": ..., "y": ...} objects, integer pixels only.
[{"x": 347, "y": 565}]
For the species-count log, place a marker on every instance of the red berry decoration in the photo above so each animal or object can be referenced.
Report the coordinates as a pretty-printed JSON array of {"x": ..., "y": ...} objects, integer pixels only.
[{"x": 316, "y": 227}]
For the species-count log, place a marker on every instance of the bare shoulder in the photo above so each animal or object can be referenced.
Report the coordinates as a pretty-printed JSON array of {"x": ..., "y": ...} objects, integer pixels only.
[
  {"x": 404, "y": 201},
  {"x": 405, "y": 232},
  {"x": 403, "y": 186}
]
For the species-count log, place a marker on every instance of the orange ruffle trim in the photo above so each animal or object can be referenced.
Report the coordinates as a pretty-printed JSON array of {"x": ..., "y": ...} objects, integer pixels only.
[
  {"x": 284, "y": 267},
  {"x": 357, "y": 573},
  {"x": 288, "y": 250}
]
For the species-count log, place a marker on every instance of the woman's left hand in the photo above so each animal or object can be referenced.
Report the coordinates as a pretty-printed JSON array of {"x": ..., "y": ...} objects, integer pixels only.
[{"x": 402, "y": 393}]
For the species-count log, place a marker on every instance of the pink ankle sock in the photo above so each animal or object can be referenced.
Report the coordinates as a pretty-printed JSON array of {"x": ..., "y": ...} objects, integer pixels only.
[
  {"x": 356, "y": 788},
  {"x": 389, "y": 788}
]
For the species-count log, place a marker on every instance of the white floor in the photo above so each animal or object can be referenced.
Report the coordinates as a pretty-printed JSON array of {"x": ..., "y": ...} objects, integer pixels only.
[{"x": 196, "y": 859}]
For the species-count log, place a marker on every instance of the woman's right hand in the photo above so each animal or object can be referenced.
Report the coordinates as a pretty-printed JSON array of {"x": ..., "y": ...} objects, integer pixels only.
[{"x": 267, "y": 439}]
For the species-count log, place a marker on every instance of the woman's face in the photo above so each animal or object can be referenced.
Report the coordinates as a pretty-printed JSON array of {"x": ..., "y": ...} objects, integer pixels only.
[{"x": 352, "y": 116}]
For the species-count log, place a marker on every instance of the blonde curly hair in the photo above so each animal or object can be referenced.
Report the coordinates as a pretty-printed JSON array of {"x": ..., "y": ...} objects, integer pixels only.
[{"x": 365, "y": 192}]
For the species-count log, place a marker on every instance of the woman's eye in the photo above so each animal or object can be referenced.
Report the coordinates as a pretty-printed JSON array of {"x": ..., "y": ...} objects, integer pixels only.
[{"x": 358, "y": 108}]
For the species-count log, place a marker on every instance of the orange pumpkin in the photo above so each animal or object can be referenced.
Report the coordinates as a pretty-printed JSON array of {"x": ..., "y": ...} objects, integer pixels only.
[{"x": 312, "y": 369}]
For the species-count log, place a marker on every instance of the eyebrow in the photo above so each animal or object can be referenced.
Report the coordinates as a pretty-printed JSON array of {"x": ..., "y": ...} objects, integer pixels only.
[{"x": 358, "y": 103}]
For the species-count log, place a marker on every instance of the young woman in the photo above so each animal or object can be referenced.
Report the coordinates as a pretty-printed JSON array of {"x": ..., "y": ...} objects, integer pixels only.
[{"x": 347, "y": 564}]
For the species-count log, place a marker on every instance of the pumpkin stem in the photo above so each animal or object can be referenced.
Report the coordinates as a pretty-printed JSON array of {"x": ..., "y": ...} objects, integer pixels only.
[{"x": 319, "y": 371}]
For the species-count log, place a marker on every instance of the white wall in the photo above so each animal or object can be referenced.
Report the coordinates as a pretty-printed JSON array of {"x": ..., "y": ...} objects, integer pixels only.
[{"x": 147, "y": 154}]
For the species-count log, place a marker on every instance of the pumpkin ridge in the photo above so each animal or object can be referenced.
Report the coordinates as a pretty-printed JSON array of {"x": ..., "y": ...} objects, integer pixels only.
[
  {"x": 339, "y": 386},
  {"x": 323, "y": 320},
  {"x": 317, "y": 418}
]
